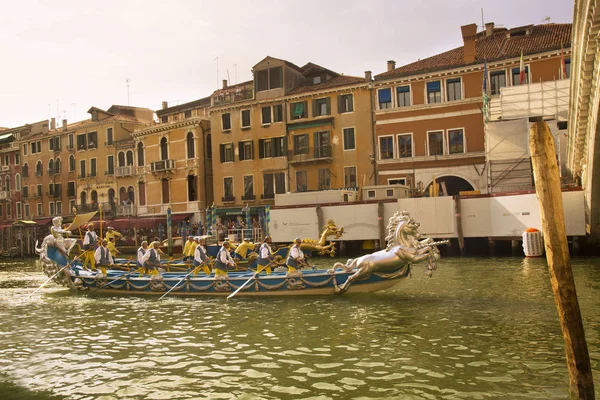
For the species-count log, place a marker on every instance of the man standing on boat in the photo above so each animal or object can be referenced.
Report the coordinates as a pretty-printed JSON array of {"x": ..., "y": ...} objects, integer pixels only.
[
  {"x": 200, "y": 257},
  {"x": 112, "y": 248},
  {"x": 265, "y": 256},
  {"x": 188, "y": 253},
  {"x": 152, "y": 259},
  {"x": 140, "y": 255},
  {"x": 223, "y": 260},
  {"x": 111, "y": 233},
  {"x": 102, "y": 256},
  {"x": 295, "y": 259},
  {"x": 90, "y": 243}
]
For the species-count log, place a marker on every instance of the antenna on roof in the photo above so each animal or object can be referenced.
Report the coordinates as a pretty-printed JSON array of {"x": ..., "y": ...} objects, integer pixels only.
[
  {"x": 546, "y": 19},
  {"x": 127, "y": 80},
  {"x": 482, "y": 23}
]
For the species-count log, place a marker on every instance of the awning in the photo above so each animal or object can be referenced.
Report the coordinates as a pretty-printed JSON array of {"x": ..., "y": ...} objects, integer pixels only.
[
  {"x": 310, "y": 124},
  {"x": 43, "y": 221},
  {"x": 143, "y": 223},
  {"x": 180, "y": 217},
  {"x": 238, "y": 210},
  {"x": 25, "y": 222}
]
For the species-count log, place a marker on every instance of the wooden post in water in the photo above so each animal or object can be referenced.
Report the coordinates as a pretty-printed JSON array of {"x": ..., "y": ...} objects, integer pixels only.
[
  {"x": 459, "y": 231},
  {"x": 547, "y": 187}
]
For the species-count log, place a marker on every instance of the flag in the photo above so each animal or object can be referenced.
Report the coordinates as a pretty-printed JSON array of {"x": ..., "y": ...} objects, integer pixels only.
[
  {"x": 563, "y": 65},
  {"x": 486, "y": 98},
  {"x": 522, "y": 70}
]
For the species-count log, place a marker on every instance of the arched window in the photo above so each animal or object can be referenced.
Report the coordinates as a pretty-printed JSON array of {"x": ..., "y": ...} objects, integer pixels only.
[
  {"x": 71, "y": 163},
  {"x": 142, "y": 192},
  {"x": 38, "y": 168},
  {"x": 83, "y": 198},
  {"x": 208, "y": 146},
  {"x": 140, "y": 154},
  {"x": 131, "y": 194},
  {"x": 191, "y": 151},
  {"x": 192, "y": 182},
  {"x": 18, "y": 182},
  {"x": 51, "y": 166},
  {"x": 94, "y": 197},
  {"x": 164, "y": 149},
  {"x": 121, "y": 159},
  {"x": 111, "y": 196},
  {"x": 25, "y": 170},
  {"x": 57, "y": 166},
  {"x": 122, "y": 194},
  {"x": 7, "y": 183},
  {"x": 129, "y": 157}
]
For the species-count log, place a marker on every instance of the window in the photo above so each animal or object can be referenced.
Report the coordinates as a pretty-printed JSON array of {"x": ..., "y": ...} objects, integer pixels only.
[
  {"x": 93, "y": 167},
  {"x": 384, "y": 97},
  {"x": 397, "y": 181},
  {"x": 187, "y": 114},
  {"x": 453, "y": 89},
  {"x": 321, "y": 107},
  {"x": 345, "y": 103},
  {"x": 39, "y": 146},
  {"x": 267, "y": 79},
  {"x": 277, "y": 113},
  {"x": 434, "y": 92},
  {"x": 19, "y": 210},
  {"x": 226, "y": 150},
  {"x": 246, "y": 150},
  {"x": 456, "y": 143},
  {"x": 164, "y": 119},
  {"x": 71, "y": 163},
  {"x": 70, "y": 141},
  {"x": 273, "y": 147},
  {"x": 316, "y": 80},
  {"x": 324, "y": 179},
  {"x": 301, "y": 181},
  {"x": 57, "y": 166},
  {"x": 51, "y": 189},
  {"x": 166, "y": 198},
  {"x": 110, "y": 165},
  {"x": 567, "y": 68},
  {"x": 25, "y": 170},
  {"x": 273, "y": 183},
  {"x": 228, "y": 189},
  {"x": 209, "y": 146},
  {"x": 81, "y": 142},
  {"x": 389, "y": 193},
  {"x": 322, "y": 144},
  {"x": 192, "y": 184},
  {"x": 58, "y": 207},
  {"x": 17, "y": 159},
  {"x": 301, "y": 144},
  {"x": 27, "y": 210},
  {"x": 279, "y": 182},
  {"x": 51, "y": 209},
  {"x": 278, "y": 147},
  {"x": 25, "y": 190},
  {"x": 298, "y": 110},
  {"x": 38, "y": 169},
  {"x": 226, "y": 122},
  {"x": 7, "y": 160},
  {"x": 245, "y": 118},
  {"x": 350, "y": 177},
  {"x": 71, "y": 204},
  {"x": 405, "y": 145},
  {"x": 386, "y": 147},
  {"x": 51, "y": 167},
  {"x": 71, "y": 189},
  {"x": 371, "y": 194},
  {"x": 38, "y": 190},
  {"x": 248, "y": 187},
  {"x": 142, "y": 193},
  {"x": 92, "y": 140},
  {"x": 266, "y": 115},
  {"x": 109, "y": 136},
  {"x": 516, "y": 76},
  {"x": 25, "y": 149},
  {"x": 497, "y": 81},
  {"x": 403, "y": 96},
  {"x": 81, "y": 169},
  {"x": 121, "y": 158},
  {"x": 18, "y": 182},
  {"x": 435, "y": 143},
  {"x": 191, "y": 149},
  {"x": 268, "y": 186},
  {"x": 39, "y": 209},
  {"x": 129, "y": 157},
  {"x": 349, "y": 139},
  {"x": 140, "y": 154},
  {"x": 164, "y": 149}
]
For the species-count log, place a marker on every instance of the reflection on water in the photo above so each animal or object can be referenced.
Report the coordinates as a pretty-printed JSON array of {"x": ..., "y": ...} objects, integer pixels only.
[{"x": 479, "y": 329}]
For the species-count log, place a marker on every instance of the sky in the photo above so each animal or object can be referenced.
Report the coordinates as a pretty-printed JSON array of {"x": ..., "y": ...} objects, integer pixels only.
[{"x": 61, "y": 57}]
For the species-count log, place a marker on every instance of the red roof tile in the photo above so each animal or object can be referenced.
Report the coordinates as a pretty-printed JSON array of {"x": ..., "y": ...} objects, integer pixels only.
[
  {"x": 497, "y": 46},
  {"x": 340, "y": 80}
]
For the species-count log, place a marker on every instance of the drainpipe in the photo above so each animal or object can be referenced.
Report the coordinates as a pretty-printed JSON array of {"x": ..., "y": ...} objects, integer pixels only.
[{"x": 372, "y": 100}]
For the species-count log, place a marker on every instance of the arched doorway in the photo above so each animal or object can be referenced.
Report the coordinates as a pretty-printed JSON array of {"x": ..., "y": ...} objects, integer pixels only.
[
  {"x": 94, "y": 198},
  {"x": 453, "y": 185},
  {"x": 111, "y": 196},
  {"x": 123, "y": 195},
  {"x": 131, "y": 194},
  {"x": 83, "y": 198}
]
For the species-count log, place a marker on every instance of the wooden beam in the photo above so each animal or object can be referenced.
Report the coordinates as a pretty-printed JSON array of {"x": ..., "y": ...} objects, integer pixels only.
[{"x": 547, "y": 186}]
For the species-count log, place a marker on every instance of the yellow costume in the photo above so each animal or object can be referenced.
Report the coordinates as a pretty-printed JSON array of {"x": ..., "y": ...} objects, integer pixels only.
[
  {"x": 111, "y": 233},
  {"x": 187, "y": 249},
  {"x": 113, "y": 250}
]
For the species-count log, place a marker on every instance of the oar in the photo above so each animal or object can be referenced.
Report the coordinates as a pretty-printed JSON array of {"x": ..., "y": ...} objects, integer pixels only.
[
  {"x": 177, "y": 284},
  {"x": 52, "y": 277},
  {"x": 114, "y": 280},
  {"x": 258, "y": 271}
]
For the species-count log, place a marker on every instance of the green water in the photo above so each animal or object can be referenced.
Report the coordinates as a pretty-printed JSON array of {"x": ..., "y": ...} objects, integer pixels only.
[{"x": 479, "y": 329}]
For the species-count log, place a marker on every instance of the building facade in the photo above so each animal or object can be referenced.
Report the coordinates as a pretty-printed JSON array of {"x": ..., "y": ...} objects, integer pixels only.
[{"x": 429, "y": 114}]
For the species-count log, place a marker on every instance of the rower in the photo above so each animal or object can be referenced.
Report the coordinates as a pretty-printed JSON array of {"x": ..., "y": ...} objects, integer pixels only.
[
  {"x": 265, "y": 256},
  {"x": 295, "y": 259},
  {"x": 151, "y": 259},
  {"x": 140, "y": 255},
  {"x": 112, "y": 248},
  {"x": 200, "y": 256},
  {"x": 223, "y": 260},
  {"x": 103, "y": 257},
  {"x": 188, "y": 254},
  {"x": 90, "y": 243}
]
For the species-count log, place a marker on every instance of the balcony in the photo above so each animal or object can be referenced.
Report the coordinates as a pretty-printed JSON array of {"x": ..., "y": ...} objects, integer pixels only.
[
  {"x": 228, "y": 199},
  {"x": 250, "y": 197},
  {"x": 38, "y": 173},
  {"x": 57, "y": 149},
  {"x": 127, "y": 170},
  {"x": 81, "y": 176},
  {"x": 52, "y": 172},
  {"x": 162, "y": 166},
  {"x": 71, "y": 193},
  {"x": 310, "y": 155},
  {"x": 4, "y": 194},
  {"x": 233, "y": 96},
  {"x": 70, "y": 147},
  {"x": 109, "y": 173},
  {"x": 85, "y": 208},
  {"x": 267, "y": 196},
  {"x": 57, "y": 194},
  {"x": 126, "y": 209}
]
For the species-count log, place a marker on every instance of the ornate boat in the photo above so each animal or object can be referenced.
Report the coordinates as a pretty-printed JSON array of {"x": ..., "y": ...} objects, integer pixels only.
[{"x": 371, "y": 272}]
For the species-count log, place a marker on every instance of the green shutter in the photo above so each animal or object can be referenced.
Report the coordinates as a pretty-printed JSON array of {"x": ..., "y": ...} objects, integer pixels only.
[
  {"x": 315, "y": 104},
  {"x": 241, "y": 151},
  {"x": 261, "y": 148},
  {"x": 252, "y": 147},
  {"x": 328, "y": 102},
  {"x": 340, "y": 100},
  {"x": 298, "y": 110},
  {"x": 222, "y": 151}
]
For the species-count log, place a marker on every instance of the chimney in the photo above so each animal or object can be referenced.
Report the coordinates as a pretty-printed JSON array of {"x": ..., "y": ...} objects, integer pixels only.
[
  {"x": 224, "y": 83},
  {"x": 391, "y": 64},
  {"x": 469, "y": 33},
  {"x": 52, "y": 123},
  {"x": 165, "y": 105},
  {"x": 368, "y": 76},
  {"x": 489, "y": 29},
  {"x": 64, "y": 125}
]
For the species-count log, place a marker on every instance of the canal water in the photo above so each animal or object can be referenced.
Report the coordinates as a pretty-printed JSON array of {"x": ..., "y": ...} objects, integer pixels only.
[{"x": 480, "y": 328}]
